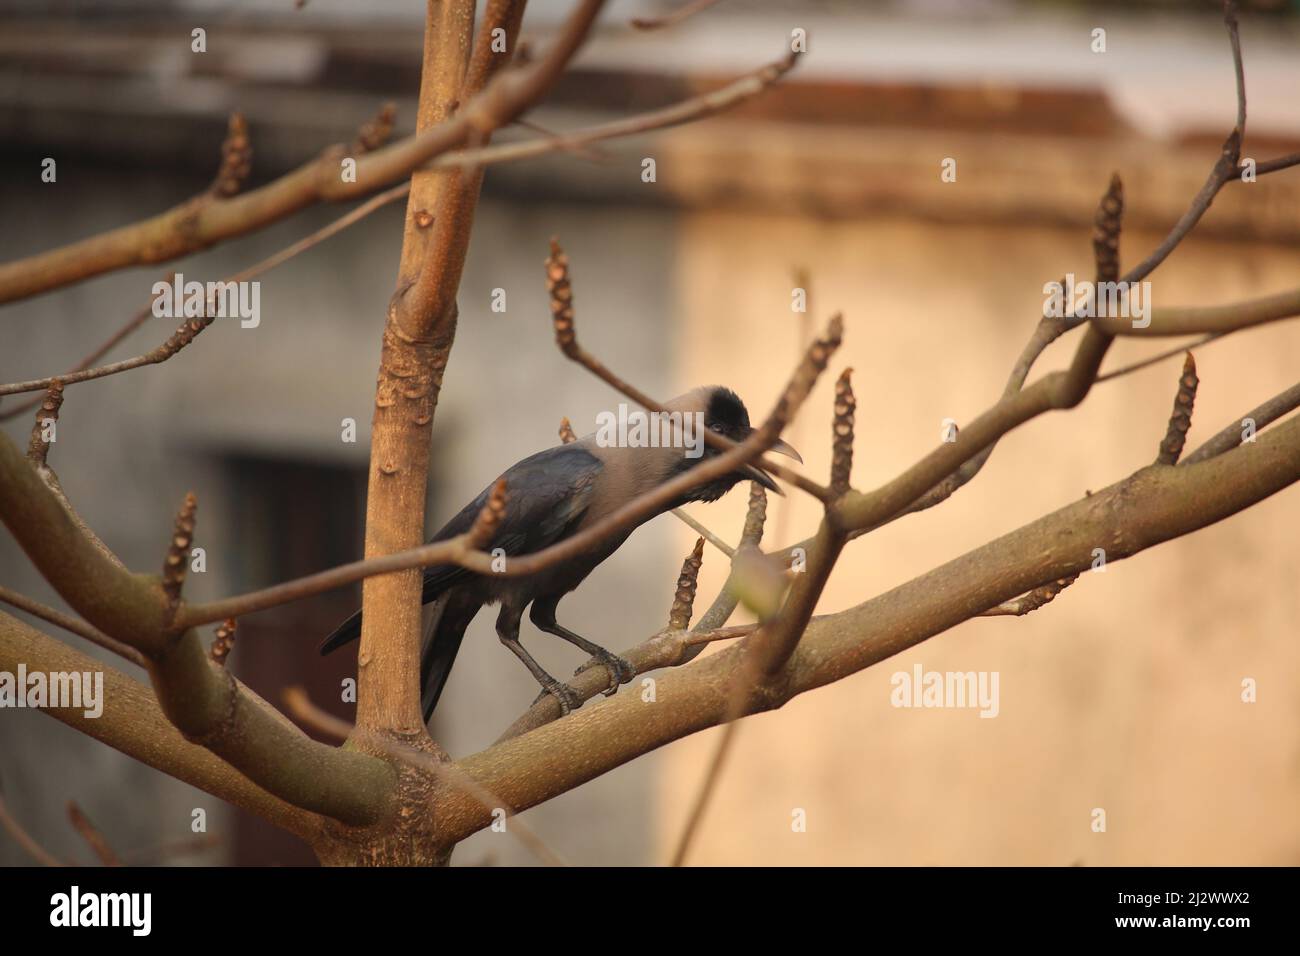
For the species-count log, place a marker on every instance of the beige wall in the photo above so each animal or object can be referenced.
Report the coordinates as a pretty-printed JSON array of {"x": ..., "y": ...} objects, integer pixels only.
[{"x": 1125, "y": 693}]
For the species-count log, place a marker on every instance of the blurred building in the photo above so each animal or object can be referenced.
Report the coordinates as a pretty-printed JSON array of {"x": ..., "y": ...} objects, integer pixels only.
[{"x": 1124, "y": 694}]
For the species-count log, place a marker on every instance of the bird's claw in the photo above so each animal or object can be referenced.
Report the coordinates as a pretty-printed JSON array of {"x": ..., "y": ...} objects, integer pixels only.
[
  {"x": 565, "y": 695},
  {"x": 620, "y": 670}
]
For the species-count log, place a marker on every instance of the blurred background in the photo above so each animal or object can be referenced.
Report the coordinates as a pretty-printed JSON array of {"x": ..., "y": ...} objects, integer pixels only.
[{"x": 1124, "y": 694}]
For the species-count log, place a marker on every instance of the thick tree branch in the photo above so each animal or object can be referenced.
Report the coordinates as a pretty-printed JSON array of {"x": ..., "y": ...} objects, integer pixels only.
[
  {"x": 204, "y": 702},
  {"x": 206, "y": 220},
  {"x": 186, "y": 333},
  {"x": 133, "y": 723},
  {"x": 1154, "y": 505},
  {"x": 1260, "y": 416}
]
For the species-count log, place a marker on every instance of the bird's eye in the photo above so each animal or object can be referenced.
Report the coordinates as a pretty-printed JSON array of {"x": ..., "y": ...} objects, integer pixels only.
[{"x": 717, "y": 427}]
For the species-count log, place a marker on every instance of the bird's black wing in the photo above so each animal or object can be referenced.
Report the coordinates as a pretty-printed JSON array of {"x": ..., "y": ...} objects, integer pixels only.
[{"x": 546, "y": 496}]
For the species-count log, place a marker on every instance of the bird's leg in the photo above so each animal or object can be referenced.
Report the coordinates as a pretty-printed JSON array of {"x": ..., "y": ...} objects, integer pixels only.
[
  {"x": 620, "y": 670},
  {"x": 508, "y": 632}
]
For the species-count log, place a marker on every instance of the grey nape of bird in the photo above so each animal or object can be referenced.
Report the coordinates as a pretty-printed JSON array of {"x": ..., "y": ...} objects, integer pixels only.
[{"x": 551, "y": 496}]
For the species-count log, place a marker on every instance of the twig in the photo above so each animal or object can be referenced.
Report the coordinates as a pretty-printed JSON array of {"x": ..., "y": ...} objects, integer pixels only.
[
  {"x": 171, "y": 848},
  {"x": 702, "y": 797},
  {"x": 1219, "y": 319},
  {"x": 25, "y": 839},
  {"x": 1224, "y": 170},
  {"x": 72, "y": 624},
  {"x": 205, "y": 220},
  {"x": 1234, "y": 39},
  {"x": 673, "y": 18},
  {"x": 1273, "y": 165},
  {"x": 191, "y": 328},
  {"x": 704, "y": 532},
  {"x": 1262, "y": 415},
  {"x": 700, "y": 638},
  {"x": 695, "y": 108},
  {"x": 1158, "y": 357},
  {"x": 559, "y": 287},
  {"x": 90, "y": 833},
  {"x": 591, "y": 155}
]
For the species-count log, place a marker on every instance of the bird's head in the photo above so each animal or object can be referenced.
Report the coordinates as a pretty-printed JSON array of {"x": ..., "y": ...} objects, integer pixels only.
[{"x": 722, "y": 412}]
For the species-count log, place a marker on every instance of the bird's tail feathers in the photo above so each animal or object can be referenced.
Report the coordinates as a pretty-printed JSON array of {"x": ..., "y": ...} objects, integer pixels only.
[
  {"x": 345, "y": 633},
  {"x": 436, "y": 581}
]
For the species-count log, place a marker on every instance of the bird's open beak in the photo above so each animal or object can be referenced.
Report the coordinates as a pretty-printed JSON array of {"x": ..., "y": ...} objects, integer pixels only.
[{"x": 754, "y": 473}]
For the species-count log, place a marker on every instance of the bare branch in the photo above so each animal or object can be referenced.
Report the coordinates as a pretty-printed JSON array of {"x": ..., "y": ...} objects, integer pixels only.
[
  {"x": 561, "y": 294},
  {"x": 205, "y": 220},
  {"x": 1158, "y": 357},
  {"x": 133, "y": 723},
  {"x": 702, "y": 797},
  {"x": 188, "y": 330},
  {"x": 90, "y": 833},
  {"x": 1258, "y": 417},
  {"x": 205, "y": 703},
  {"x": 452, "y": 551},
  {"x": 24, "y": 839},
  {"x": 1152, "y": 506},
  {"x": 71, "y": 624},
  {"x": 671, "y": 19},
  {"x": 1221, "y": 319},
  {"x": 695, "y": 108}
]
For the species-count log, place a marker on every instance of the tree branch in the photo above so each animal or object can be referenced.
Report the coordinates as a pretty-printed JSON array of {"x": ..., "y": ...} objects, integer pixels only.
[
  {"x": 133, "y": 723},
  {"x": 204, "y": 702},
  {"x": 206, "y": 220},
  {"x": 1154, "y": 505}
]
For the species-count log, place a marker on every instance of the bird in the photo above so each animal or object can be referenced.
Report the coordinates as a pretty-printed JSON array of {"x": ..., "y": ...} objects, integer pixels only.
[{"x": 553, "y": 495}]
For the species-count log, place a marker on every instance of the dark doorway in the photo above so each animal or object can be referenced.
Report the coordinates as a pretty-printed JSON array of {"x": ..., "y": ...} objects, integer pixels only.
[{"x": 291, "y": 518}]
